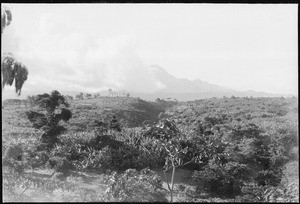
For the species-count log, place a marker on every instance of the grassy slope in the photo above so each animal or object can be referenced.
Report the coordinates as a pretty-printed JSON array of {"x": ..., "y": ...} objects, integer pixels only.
[
  {"x": 131, "y": 112},
  {"x": 263, "y": 111},
  {"x": 15, "y": 126},
  {"x": 270, "y": 114},
  {"x": 135, "y": 111}
]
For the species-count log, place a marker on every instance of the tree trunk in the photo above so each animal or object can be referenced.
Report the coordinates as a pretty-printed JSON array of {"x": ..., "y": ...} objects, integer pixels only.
[{"x": 172, "y": 180}]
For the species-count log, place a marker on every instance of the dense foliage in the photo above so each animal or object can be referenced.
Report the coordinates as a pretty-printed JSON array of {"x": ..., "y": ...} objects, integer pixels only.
[
  {"x": 237, "y": 147},
  {"x": 243, "y": 140},
  {"x": 49, "y": 121},
  {"x": 11, "y": 69},
  {"x": 6, "y": 17}
]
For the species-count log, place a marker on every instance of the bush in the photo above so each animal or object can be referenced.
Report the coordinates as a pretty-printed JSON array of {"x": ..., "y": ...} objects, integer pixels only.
[
  {"x": 60, "y": 164},
  {"x": 91, "y": 151},
  {"x": 38, "y": 119},
  {"x": 49, "y": 121},
  {"x": 251, "y": 192},
  {"x": 163, "y": 130},
  {"x": 14, "y": 151},
  {"x": 133, "y": 186},
  {"x": 65, "y": 114},
  {"x": 16, "y": 184},
  {"x": 223, "y": 181}
]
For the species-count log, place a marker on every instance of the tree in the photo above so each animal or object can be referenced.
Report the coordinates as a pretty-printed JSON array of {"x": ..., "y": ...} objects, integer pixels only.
[
  {"x": 49, "y": 121},
  {"x": 176, "y": 154},
  {"x": 6, "y": 17},
  {"x": 11, "y": 69},
  {"x": 167, "y": 135}
]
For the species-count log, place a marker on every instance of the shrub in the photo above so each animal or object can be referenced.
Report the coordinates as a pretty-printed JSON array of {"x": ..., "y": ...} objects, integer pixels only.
[
  {"x": 17, "y": 183},
  {"x": 224, "y": 181},
  {"x": 133, "y": 186},
  {"x": 49, "y": 122},
  {"x": 14, "y": 151},
  {"x": 60, "y": 164},
  {"x": 163, "y": 130},
  {"x": 65, "y": 114},
  {"x": 251, "y": 192}
]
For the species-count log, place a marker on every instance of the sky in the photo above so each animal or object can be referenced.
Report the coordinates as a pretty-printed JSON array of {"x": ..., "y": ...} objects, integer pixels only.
[{"x": 93, "y": 47}]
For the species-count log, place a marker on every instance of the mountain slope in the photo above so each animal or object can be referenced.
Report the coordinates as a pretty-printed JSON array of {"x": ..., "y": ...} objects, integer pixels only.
[
  {"x": 180, "y": 85},
  {"x": 187, "y": 90}
]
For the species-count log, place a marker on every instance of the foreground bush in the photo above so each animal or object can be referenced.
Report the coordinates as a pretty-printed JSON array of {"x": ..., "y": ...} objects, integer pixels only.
[
  {"x": 49, "y": 122},
  {"x": 224, "y": 181},
  {"x": 134, "y": 186},
  {"x": 21, "y": 186}
]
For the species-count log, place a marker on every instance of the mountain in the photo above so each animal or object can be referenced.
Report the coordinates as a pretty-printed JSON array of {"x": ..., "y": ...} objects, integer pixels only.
[
  {"x": 170, "y": 87},
  {"x": 180, "y": 85},
  {"x": 188, "y": 90}
]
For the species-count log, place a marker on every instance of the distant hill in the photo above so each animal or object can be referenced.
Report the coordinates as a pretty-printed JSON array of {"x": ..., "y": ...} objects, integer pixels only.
[
  {"x": 171, "y": 87},
  {"x": 188, "y": 90},
  {"x": 131, "y": 112},
  {"x": 190, "y": 96},
  {"x": 180, "y": 85}
]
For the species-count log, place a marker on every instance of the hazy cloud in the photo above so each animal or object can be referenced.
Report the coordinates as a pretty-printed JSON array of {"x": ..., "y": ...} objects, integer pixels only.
[
  {"x": 110, "y": 46},
  {"x": 62, "y": 57}
]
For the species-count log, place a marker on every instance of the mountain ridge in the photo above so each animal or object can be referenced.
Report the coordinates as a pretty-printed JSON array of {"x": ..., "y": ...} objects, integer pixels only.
[
  {"x": 174, "y": 84},
  {"x": 170, "y": 87}
]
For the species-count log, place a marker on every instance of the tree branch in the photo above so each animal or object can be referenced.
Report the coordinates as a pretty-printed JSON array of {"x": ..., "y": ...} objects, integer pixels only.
[{"x": 185, "y": 163}]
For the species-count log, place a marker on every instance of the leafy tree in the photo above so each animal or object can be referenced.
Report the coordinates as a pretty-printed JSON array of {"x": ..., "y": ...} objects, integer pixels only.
[
  {"x": 176, "y": 154},
  {"x": 177, "y": 151},
  {"x": 11, "y": 69},
  {"x": 49, "y": 122},
  {"x": 163, "y": 130},
  {"x": 6, "y": 17}
]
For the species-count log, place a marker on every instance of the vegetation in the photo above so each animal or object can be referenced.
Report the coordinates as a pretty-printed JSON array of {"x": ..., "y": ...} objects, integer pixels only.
[
  {"x": 239, "y": 149},
  {"x": 113, "y": 149},
  {"x": 11, "y": 69},
  {"x": 48, "y": 121}
]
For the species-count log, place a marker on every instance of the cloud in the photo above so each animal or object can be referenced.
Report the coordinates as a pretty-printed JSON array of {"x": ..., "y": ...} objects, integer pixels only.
[
  {"x": 61, "y": 57},
  {"x": 160, "y": 85}
]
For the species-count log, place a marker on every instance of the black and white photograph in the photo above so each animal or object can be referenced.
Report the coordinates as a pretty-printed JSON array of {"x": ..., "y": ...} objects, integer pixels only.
[{"x": 149, "y": 102}]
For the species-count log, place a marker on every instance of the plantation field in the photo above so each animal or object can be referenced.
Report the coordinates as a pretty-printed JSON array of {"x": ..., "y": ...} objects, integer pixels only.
[
  {"x": 131, "y": 111},
  {"x": 229, "y": 149}
]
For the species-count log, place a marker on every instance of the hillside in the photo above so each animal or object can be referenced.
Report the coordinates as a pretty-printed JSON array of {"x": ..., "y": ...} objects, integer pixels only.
[
  {"x": 257, "y": 110},
  {"x": 181, "y": 85},
  {"x": 131, "y": 112},
  {"x": 276, "y": 119},
  {"x": 255, "y": 138}
]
